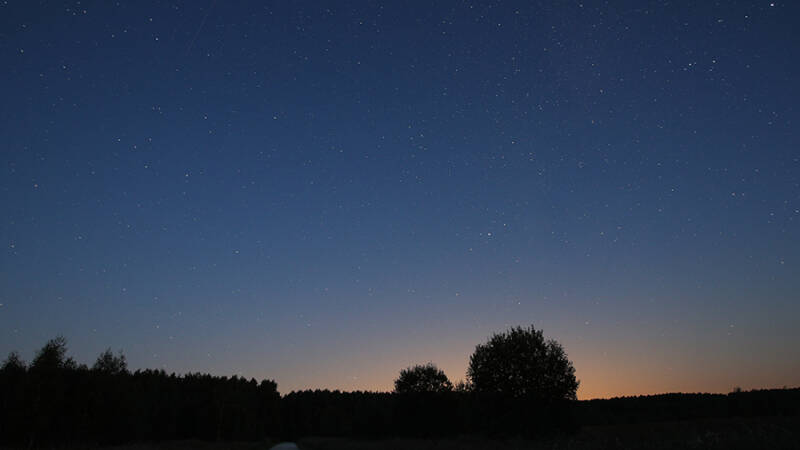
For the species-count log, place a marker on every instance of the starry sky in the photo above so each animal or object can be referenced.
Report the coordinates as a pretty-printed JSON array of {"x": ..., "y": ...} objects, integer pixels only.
[{"x": 324, "y": 193}]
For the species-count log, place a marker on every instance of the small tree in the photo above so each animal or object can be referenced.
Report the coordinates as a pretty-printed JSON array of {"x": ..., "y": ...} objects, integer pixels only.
[
  {"x": 422, "y": 378},
  {"x": 110, "y": 364},
  {"x": 520, "y": 362}
]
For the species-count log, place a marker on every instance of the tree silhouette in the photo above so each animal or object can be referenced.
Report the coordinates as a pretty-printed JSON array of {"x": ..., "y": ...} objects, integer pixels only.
[
  {"x": 422, "y": 378},
  {"x": 109, "y": 364},
  {"x": 520, "y": 362},
  {"x": 72, "y": 407},
  {"x": 53, "y": 356},
  {"x": 463, "y": 386},
  {"x": 13, "y": 364}
]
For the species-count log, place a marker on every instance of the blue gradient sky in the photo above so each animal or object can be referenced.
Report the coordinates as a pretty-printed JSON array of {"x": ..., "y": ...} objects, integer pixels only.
[{"x": 326, "y": 193}]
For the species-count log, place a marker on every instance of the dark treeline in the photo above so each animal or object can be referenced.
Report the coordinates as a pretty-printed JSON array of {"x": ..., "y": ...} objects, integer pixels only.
[
  {"x": 424, "y": 414},
  {"x": 670, "y": 407},
  {"x": 334, "y": 413},
  {"x": 81, "y": 405},
  {"x": 54, "y": 401},
  {"x": 78, "y": 405}
]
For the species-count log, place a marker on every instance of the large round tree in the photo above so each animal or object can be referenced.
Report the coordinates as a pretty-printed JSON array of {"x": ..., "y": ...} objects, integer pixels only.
[{"x": 520, "y": 362}]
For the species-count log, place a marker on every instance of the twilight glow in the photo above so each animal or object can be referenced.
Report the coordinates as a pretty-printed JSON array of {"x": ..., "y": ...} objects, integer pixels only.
[{"x": 326, "y": 193}]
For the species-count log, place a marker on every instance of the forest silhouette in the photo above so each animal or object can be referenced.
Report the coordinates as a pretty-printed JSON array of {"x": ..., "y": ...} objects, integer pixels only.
[{"x": 527, "y": 392}]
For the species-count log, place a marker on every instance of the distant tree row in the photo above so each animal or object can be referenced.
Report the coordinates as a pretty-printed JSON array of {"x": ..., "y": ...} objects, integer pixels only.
[
  {"x": 53, "y": 356},
  {"x": 518, "y": 384},
  {"x": 55, "y": 401},
  {"x": 683, "y": 406}
]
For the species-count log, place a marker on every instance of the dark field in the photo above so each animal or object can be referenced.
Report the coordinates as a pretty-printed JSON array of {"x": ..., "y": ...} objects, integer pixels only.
[
  {"x": 750, "y": 433},
  {"x": 173, "y": 445},
  {"x": 738, "y": 433}
]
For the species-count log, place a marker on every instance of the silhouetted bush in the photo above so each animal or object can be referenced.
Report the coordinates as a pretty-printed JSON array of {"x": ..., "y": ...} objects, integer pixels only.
[
  {"x": 521, "y": 363},
  {"x": 422, "y": 378}
]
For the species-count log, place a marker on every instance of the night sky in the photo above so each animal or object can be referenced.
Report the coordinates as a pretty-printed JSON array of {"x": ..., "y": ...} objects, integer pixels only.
[{"x": 326, "y": 193}]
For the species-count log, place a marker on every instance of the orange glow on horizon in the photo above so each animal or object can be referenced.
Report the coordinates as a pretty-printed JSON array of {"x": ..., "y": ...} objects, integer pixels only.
[{"x": 599, "y": 378}]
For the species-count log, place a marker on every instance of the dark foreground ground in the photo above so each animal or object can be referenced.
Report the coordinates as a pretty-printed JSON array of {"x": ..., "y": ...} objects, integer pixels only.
[
  {"x": 750, "y": 433},
  {"x": 173, "y": 445},
  {"x": 735, "y": 433}
]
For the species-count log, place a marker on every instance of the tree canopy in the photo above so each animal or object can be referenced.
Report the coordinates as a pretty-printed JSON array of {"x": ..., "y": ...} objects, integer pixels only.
[
  {"x": 13, "y": 363},
  {"x": 422, "y": 378},
  {"x": 520, "y": 362},
  {"x": 53, "y": 356},
  {"x": 110, "y": 364}
]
